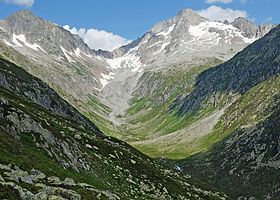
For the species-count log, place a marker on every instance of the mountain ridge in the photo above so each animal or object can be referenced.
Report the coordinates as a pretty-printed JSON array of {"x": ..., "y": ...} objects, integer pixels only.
[{"x": 105, "y": 86}]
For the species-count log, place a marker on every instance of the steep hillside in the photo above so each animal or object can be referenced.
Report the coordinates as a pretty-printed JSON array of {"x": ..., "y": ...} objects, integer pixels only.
[
  {"x": 254, "y": 64},
  {"x": 199, "y": 110},
  {"x": 49, "y": 149},
  {"x": 244, "y": 161},
  {"x": 60, "y": 59}
]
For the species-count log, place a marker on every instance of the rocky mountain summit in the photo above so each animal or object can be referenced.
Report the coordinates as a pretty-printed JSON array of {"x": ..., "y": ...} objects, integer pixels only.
[
  {"x": 45, "y": 34},
  {"x": 250, "y": 29},
  {"x": 62, "y": 59}
]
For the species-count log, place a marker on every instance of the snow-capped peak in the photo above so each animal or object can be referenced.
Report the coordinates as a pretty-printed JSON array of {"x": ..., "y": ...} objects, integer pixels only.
[{"x": 217, "y": 31}]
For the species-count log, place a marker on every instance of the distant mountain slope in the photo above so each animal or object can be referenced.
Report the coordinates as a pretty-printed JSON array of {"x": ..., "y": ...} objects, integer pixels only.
[
  {"x": 49, "y": 150},
  {"x": 60, "y": 55},
  {"x": 186, "y": 40},
  {"x": 188, "y": 36},
  {"x": 246, "y": 163}
]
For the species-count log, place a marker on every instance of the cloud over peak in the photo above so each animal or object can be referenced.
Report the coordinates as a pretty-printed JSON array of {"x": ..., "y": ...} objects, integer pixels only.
[
  {"x": 216, "y": 13},
  {"x": 99, "y": 39},
  {"x": 27, "y": 3}
]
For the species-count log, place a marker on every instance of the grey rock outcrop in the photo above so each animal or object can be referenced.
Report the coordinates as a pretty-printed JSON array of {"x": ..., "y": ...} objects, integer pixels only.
[
  {"x": 250, "y": 29},
  {"x": 45, "y": 33}
]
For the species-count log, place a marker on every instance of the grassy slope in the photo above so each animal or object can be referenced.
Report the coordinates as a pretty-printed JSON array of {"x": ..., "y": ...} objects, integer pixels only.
[
  {"x": 249, "y": 109},
  {"x": 150, "y": 118},
  {"x": 255, "y": 108}
]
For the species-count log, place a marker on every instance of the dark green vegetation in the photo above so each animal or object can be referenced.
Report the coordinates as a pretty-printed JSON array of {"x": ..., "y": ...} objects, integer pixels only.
[{"x": 45, "y": 141}]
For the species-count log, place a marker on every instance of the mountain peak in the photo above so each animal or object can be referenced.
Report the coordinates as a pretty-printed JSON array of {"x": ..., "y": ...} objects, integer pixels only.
[
  {"x": 22, "y": 14},
  {"x": 248, "y": 28},
  {"x": 187, "y": 11},
  {"x": 191, "y": 16},
  {"x": 241, "y": 21},
  {"x": 24, "y": 21}
]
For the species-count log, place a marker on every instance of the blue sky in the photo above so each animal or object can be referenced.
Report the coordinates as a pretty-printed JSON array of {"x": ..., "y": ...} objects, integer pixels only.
[{"x": 132, "y": 18}]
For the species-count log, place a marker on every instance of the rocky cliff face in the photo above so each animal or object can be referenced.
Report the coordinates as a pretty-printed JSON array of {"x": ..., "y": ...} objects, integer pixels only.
[
  {"x": 250, "y": 29},
  {"x": 44, "y": 33}
]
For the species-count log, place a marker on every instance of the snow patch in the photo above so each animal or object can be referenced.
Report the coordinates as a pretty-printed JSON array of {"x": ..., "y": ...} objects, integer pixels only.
[
  {"x": 106, "y": 78},
  {"x": 128, "y": 61},
  {"x": 211, "y": 30},
  {"x": 77, "y": 52},
  {"x": 67, "y": 54},
  {"x": 8, "y": 43},
  {"x": 163, "y": 46},
  {"x": 152, "y": 45},
  {"x": 18, "y": 40},
  {"x": 80, "y": 53},
  {"x": 166, "y": 33}
]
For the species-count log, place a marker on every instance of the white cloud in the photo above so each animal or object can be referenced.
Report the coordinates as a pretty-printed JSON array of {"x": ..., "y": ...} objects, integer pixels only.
[
  {"x": 27, "y": 3},
  {"x": 218, "y": 1},
  {"x": 99, "y": 39},
  {"x": 216, "y": 13}
]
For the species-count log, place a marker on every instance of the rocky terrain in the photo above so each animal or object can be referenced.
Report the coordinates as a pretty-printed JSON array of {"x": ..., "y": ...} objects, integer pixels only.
[{"x": 50, "y": 151}]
